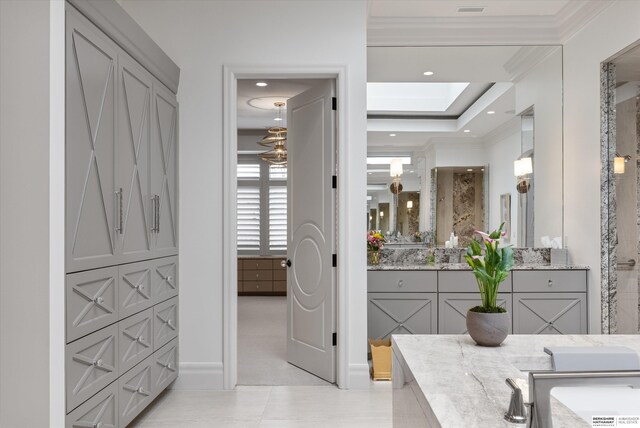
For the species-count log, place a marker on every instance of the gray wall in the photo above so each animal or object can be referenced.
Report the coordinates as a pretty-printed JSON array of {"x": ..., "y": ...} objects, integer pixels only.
[{"x": 24, "y": 213}]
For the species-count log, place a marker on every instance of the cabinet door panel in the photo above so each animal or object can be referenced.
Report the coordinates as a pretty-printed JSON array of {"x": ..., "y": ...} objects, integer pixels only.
[
  {"x": 135, "y": 287},
  {"x": 550, "y": 313},
  {"x": 401, "y": 313},
  {"x": 92, "y": 301},
  {"x": 165, "y": 322},
  {"x": 453, "y": 307},
  {"x": 164, "y": 154},
  {"x": 135, "y": 391},
  {"x": 91, "y": 364},
  {"x": 164, "y": 280},
  {"x": 101, "y": 410},
  {"x": 134, "y": 112},
  {"x": 165, "y": 367},
  {"x": 135, "y": 335},
  {"x": 91, "y": 66}
]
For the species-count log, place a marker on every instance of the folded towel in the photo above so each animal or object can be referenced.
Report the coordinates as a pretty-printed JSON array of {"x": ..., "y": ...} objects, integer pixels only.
[{"x": 593, "y": 358}]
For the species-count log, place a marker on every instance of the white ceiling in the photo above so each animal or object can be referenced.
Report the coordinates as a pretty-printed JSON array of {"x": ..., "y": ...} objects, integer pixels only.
[{"x": 449, "y": 8}]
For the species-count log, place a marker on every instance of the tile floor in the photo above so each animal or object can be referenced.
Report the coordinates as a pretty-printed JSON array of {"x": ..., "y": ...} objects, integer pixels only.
[{"x": 282, "y": 395}]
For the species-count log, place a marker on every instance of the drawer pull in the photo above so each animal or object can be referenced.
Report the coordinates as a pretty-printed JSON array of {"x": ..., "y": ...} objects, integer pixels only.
[
  {"x": 140, "y": 287},
  {"x": 550, "y": 283},
  {"x": 257, "y": 276},
  {"x": 400, "y": 283},
  {"x": 169, "y": 278},
  {"x": 98, "y": 300},
  {"x": 142, "y": 391},
  {"x": 140, "y": 339},
  {"x": 169, "y": 323},
  {"x": 97, "y": 425},
  {"x": 97, "y": 363}
]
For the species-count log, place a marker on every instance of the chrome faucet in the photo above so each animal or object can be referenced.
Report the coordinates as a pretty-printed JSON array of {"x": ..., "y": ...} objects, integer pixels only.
[{"x": 542, "y": 382}]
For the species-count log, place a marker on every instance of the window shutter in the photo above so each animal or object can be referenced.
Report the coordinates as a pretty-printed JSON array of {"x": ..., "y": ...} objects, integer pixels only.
[
  {"x": 248, "y": 212},
  {"x": 277, "y": 218}
]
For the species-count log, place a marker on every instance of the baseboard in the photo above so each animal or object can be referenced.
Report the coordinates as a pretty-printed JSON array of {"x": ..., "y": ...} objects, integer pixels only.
[
  {"x": 197, "y": 376},
  {"x": 359, "y": 376}
]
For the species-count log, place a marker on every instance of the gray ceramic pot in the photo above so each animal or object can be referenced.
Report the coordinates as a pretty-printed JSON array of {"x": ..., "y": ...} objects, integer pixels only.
[{"x": 488, "y": 329}]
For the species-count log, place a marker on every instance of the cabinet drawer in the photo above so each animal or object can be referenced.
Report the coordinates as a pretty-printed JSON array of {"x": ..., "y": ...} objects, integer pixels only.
[
  {"x": 164, "y": 279},
  {"x": 453, "y": 307},
  {"x": 91, "y": 301},
  {"x": 165, "y": 366},
  {"x": 401, "y": 313},
  {"x": 257, "y": 286},
  {"x": 402, "y": 281},
  {"x": 101, "y": 410},
  {"x": 280, "y": 286},
  {"x": 464, "y": 282},
  {"x": 280, "y": 275},
  {"x": 257, "y": 275},
  {"x": 135, "y": 339},
  {"x": 240, "y": 275},
  {"x": 165, "y": 322},
  {"x": 550, "y": 313},
  {"x": 545, "y": 281},
  {"x": 134, "y": 291},
  {"x": 277, "y": 264},
  {"x": 91, "y": 364},
  {"x": 257, "y": 264},
  {"x": 135, "y": 391}
]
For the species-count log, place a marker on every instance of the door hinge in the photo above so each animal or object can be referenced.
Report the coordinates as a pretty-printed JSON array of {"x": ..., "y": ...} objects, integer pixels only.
[
  {"x": 334, "y": 182},
  {"x": 335, "y": 339},
  {"x": 334, "y": 103},
  {"x": 334, "y": 260}
]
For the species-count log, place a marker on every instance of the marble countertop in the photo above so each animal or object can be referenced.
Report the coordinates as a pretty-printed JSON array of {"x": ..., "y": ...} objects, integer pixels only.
[
  {"x": 464, "y": 266},
  {"x": 464, "y": 384}
]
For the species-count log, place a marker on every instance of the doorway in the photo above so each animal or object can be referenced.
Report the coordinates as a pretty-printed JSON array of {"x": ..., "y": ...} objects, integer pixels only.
[{"x": 241, "y": 312}]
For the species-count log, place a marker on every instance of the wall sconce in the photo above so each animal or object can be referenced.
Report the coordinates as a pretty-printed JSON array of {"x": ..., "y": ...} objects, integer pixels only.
[
  {"x": 409, "y": 205},
  {"x": 395, "y": 171},
  {"x": 618, "y": 163},
  {"x": 521, "y": 169}
]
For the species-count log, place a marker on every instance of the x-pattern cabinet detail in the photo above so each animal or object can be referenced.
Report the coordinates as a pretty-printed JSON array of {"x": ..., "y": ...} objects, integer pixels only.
[{"x": 540, "y": 301}]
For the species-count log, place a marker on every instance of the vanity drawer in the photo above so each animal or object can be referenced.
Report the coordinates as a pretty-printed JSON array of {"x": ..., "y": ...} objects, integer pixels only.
[
  {"x": 280, "y": 275},
  {"x": 91, "y": 301},
  {"x": 135, "y": 336},
  {"x": 549, "y": 281},
  {"x": 101, "y": 410},
  {"x": 464, "y": 281},
  {"x": 257, "y": 286},
  {"x": 91, "y": 364},
  {"x": 165, "y": 322},
  {"x": 402, "y": 281},
  {"x": 164, "y": 279},
  {"x": 135, "y": 391},
  {"x": 135, "y": 287},
  {"x": 280, "y": 286},
  {"x": 257, "y": 275},
  {"x": 277, "y": 264},
  {"x": 257, "y": 264},
  {"x": 165, "y": 366}
]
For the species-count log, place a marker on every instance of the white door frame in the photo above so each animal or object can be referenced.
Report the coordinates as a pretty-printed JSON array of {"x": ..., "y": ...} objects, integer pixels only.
[{"x": 229, "y": 220}]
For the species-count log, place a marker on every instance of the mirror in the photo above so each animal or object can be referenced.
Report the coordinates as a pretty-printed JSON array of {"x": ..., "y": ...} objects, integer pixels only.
[{"x": 494, "y": 110}]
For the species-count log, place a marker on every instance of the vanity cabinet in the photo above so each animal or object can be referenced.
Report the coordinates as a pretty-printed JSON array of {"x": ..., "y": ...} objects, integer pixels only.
[
  {"x": 262, "y": 276},
  {"x": 453, "y": 307},
  {"x": 550, "y": 302}
]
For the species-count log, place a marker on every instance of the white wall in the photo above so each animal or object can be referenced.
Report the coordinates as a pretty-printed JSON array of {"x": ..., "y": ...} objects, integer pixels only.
[
  {"x": 608, "y": 33},
  {"x": 24, "y": 213},
  {"x": 201, "y": 37}
]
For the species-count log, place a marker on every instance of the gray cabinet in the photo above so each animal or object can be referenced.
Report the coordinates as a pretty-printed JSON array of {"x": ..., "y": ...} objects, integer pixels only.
[
  {"x": 101, "y": 410},
  {"x": 453, "y": 307},
  {"x": 135, "y": 391},
  {"x": 165, "y": 322},
  {"x": 463, "y": 281},
  {"x": 135, "y": 336},
  {"x": 164, "y": 279},
  {"x": 135, "y": 287},
  {"x": 549, "y": 313},
  {"x": 165, "y": 366},
  {"x": 401, "y": 313}
]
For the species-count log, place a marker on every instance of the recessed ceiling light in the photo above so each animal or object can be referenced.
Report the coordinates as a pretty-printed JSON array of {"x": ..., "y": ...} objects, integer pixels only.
[
  {"x": 428, "y": 73},
  {"x": 466, "y": 131},
  {"x": 469, "y": 169},
  {"x": 261, "y": 84},
  {"x": 491, "y": 112},
  {"x": 392, "y": 135}
]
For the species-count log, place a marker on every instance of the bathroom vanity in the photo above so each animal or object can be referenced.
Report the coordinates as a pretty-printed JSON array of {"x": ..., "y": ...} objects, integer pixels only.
[{"x": 448, "y": 381}]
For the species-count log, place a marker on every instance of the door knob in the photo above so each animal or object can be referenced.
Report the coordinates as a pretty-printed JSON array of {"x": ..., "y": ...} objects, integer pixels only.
[{"x": 285, "y": 263}]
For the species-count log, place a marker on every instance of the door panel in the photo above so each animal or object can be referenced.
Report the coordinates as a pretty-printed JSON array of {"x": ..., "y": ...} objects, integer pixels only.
[
  {"x": 311, "y": 302},
  {"x": 164, "y": 156},
  {"x": 135, "y": 85},
  {"x": 550, "y": 313},
  {"x": 90, "y": 145},
  {"x": 401, "y": 313},
  {"x": 453, "y": 307}
]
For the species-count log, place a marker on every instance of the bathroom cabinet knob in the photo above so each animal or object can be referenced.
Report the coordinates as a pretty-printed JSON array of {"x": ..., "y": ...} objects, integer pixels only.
[
  {"x": 98, "y": 300},
  {"x": 140, "y": 339},
  {"x": 169, "y": 278},
  {"x": 97, "y": 363},
  {"x": 550, "y": 283},
  {"x": 400, "y": 283}
]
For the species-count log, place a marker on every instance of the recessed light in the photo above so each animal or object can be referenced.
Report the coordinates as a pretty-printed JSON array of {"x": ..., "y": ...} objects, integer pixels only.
[
  {"x": 392, "y": 135},
  {"x": 261, "y": 84},
  {"x": 466, "y": 131},
  {"x": 491, "y": 112},
  {"x": 469, "y": 169},
  {"x": 428, "y": 73}
]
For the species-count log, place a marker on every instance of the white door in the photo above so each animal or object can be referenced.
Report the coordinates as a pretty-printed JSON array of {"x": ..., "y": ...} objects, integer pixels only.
[{"x": 311, "y": 276}]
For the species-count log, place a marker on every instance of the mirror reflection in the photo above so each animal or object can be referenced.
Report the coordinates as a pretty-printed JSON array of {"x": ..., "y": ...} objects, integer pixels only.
[{"x": 465, "y": 138}]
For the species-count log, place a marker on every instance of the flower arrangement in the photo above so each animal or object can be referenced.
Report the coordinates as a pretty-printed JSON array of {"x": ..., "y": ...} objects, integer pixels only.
[
  {"x": 491, "y": 265},
  {"x": 375, "y": 240}
]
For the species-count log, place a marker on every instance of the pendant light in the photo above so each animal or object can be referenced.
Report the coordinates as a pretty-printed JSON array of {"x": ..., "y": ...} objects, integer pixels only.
[{"x": 275, "y": 139}]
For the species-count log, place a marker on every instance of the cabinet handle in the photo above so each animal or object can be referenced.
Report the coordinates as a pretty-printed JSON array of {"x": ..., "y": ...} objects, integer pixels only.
[
  {"x": 119, "y": 210},
  {"x": 550, "y": 283},
  {"x": 400, "y": 283},
  {"x": 157, "y": 213}
]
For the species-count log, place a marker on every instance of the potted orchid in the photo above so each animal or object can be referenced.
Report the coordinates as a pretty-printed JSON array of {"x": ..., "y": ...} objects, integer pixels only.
[
  {"x": 488, "y": 324},
  {"x": 375, "y": 242}
]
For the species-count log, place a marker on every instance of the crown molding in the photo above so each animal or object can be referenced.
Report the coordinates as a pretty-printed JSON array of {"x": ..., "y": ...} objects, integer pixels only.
[
  {"x": 525, "y": 59},
  {"x": 484, "y": 30}
]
